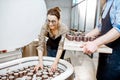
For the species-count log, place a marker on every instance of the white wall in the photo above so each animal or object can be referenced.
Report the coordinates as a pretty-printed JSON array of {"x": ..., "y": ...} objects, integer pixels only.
[{"x": 20, "y": 22}]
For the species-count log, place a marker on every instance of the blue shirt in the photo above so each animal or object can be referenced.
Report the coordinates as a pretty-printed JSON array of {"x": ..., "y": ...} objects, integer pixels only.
[{"x": 114, "y": 13}]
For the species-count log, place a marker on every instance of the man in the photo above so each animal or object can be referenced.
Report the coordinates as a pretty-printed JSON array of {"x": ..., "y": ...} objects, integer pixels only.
[{"x": 109, "y": 29}]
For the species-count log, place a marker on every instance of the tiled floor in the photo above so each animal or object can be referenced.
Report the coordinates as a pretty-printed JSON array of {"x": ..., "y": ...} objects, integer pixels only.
[{"x": 84, "y": 66}]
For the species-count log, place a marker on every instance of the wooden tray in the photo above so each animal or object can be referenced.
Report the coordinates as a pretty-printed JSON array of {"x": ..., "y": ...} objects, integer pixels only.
[{"x": 74, "y": 45}]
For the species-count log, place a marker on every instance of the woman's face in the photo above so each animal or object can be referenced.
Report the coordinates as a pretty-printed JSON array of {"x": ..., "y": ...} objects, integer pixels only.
[{"x": 52, "y": 21}]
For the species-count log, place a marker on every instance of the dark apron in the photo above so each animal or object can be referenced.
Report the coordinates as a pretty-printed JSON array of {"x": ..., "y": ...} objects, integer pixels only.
[
  {"x": 52, "y": 47},
  {"x": 109, "y": 64}
]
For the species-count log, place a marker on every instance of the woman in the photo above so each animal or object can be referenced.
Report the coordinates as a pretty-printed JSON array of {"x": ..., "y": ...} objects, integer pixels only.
[
  {"x": 54, "y": 32},
  {"x": 109, "y": 29}
]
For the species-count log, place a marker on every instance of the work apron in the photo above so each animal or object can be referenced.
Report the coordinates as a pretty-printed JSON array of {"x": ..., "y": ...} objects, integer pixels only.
[
  {"x": 52, "y": 47},
  {"x": 109, "y": 64}
]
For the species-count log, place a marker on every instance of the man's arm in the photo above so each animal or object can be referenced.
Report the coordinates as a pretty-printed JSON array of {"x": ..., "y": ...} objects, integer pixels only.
[
  {"x": 91, "y": 47},
  {"x": 95, "y": 32},
  {"x": 110, "y": 36}
]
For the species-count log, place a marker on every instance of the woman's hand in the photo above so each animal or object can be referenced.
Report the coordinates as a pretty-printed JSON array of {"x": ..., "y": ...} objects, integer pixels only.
[
  {"x": 38, "y": 66},
  {"x": 89, "y": 47},
  {"x": 54, "y": 67}
]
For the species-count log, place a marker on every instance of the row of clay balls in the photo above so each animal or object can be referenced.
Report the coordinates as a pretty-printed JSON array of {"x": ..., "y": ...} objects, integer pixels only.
[
  {"x": 79, "y": 38},
  {"x": 28, "y": 72}
]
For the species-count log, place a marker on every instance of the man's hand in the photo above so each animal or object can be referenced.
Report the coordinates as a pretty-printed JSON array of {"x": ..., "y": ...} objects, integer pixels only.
[{"x": 89, "y": 47}]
